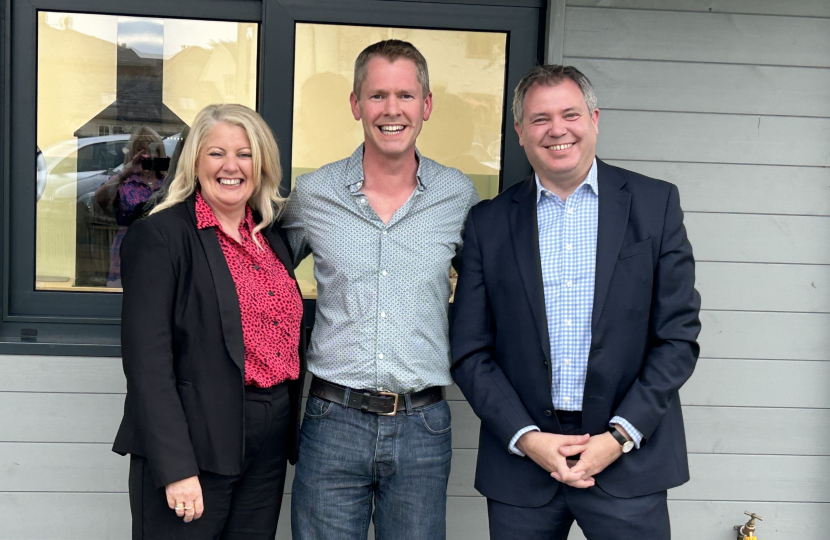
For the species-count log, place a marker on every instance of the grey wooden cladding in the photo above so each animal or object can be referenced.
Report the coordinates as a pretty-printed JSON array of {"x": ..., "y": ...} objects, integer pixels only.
[
  {"x": 778, "y": 384},
  {"x": 802, "y": 8},
  {"x": 714, "y": 476},
  {"x": 67, "y": 516},
  {"x": 708, "y": 187},
  {"x": 91, "y": 468},
  {"x": 714, "y": 138},
  {"x": 87, "y": 516},
  {"x": 47, "y": 467},
  {"x": 748, "y": 430},
  {"x": 759, "y": 238},
  {"x": 61, "y": 374},
  {"x": 763, "y": 287},
  {"x": 71, "y": 418},
  {"x": 707, "y": 88},
  {"x": 758, "y": 383},
  {"x": 785, "y": 336},
  {"x": 756, "y": 478},
  {"x": 697, "y": 37}
]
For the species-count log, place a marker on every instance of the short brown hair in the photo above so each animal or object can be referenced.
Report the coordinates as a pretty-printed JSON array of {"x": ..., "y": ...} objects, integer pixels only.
[
  {"x": 551, "y": 75},
  {"x": 391, "y": 50}
]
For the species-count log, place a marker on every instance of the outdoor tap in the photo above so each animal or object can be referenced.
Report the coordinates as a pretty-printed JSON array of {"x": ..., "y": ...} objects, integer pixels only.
[{"x": 747, "y": 530}]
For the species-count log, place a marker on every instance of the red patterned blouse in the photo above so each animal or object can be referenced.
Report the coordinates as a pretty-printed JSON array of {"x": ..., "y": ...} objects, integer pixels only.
[{"x": 269, "y": 301}]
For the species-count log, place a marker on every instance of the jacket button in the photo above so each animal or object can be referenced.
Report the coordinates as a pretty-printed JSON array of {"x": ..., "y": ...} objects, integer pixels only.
[
  {"x": 545, "y": 362},
  {"x": 548, "y": 413}
]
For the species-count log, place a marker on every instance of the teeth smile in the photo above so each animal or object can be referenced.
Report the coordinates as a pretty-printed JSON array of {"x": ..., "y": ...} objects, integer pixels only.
[
  {"x": 560, "y": 146},
  {"x": 230, "y": 181},
  {"x": 391, "y": 129}
]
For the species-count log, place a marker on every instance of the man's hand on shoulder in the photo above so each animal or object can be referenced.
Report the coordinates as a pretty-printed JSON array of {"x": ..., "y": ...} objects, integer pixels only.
[
  {"x": 544, "y": 450},
  {"x": 598, "y": 453}
]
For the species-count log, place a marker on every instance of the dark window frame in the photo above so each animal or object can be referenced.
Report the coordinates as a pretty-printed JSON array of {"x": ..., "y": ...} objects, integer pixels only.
[{"x": 81, "y": 323}]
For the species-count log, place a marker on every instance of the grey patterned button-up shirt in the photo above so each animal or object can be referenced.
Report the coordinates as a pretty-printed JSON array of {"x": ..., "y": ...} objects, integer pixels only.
[{"x": 382, "y": 289}]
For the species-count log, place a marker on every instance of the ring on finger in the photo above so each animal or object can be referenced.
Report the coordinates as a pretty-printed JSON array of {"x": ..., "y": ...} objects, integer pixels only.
[
  {"x": 188, "y": 508},
  {"x": 179, "y": 506}
]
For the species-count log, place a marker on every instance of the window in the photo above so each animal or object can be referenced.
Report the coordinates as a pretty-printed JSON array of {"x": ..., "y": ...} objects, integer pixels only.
[
  {"x": 115, "y": 95},
  {"x": 86, "y": 55},
  {"x": 464, "y": 130}
]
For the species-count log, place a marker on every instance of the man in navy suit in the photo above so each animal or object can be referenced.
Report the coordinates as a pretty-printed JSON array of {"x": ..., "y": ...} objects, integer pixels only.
[{"x": 574, "y": 326}]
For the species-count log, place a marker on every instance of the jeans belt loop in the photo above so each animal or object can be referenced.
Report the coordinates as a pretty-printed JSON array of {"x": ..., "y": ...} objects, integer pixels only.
[
  {"x": 346, "y": 398},
  {"x": 408, "y": 400}
]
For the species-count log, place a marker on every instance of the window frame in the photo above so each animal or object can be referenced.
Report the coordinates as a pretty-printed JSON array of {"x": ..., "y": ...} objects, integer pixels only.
[{"x": 88, "y": 323}]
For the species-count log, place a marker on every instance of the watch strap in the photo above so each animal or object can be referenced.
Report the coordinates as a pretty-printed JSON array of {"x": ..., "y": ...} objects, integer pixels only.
[{"x": 619, "y": 436}]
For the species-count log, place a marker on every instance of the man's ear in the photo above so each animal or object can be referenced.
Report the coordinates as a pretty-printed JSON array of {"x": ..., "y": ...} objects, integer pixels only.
[
  {"x": 595, "y": 119},
  {"x": 518, "y": 127},
  {"x": 428, "y": 108},
  {"x": 353, "y": 101}
]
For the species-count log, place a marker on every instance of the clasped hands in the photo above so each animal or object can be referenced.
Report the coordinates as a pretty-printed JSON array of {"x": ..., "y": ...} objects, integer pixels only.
[{"x": 551, "y": 452}]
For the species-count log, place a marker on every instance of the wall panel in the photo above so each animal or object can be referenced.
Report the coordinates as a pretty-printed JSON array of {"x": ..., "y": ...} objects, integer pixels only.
[
  {"x": 714, "y": 138},
  {"x": 714, "y": 187},
  {"x": 800, "y": 8},
  {"x": 697, "y": 37},
  {"x": 706, "y": 87}
]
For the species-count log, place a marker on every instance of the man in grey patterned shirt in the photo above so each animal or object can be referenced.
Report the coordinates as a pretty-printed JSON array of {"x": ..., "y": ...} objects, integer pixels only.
[{"x": 384, "y": 227}]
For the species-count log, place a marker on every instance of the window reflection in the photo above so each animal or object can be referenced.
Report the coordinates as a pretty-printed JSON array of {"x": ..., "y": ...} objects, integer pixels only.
[
  {"x": 115, "y": 97},
  {"x": 466, "y": 71}
]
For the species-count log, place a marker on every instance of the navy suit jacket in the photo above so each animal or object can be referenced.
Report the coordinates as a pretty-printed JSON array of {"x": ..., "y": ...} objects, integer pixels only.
[{"x": 644, "y": 325}]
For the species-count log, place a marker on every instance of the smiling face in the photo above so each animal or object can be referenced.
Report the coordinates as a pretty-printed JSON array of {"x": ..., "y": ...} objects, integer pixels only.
[
  {"x": 391, "y": 106},
  {"x": 558, "y": 132},
  {"x": 225, "y": 169}
]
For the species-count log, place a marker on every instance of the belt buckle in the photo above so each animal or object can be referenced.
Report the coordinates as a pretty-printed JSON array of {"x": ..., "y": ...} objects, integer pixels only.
[{"x": 395, "y": 408}]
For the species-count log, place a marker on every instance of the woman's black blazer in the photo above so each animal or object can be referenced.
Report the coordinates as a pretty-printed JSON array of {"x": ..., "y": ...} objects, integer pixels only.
[{"x": 183, "y": 351}]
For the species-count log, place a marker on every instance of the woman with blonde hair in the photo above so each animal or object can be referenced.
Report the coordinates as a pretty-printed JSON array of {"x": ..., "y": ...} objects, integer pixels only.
[{"x": 211, "y": 341}]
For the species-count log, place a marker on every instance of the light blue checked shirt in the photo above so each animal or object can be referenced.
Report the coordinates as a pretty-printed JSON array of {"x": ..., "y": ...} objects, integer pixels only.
[
  {"x": 568, "y": 251},
  {"x": 383, "y": 288}
]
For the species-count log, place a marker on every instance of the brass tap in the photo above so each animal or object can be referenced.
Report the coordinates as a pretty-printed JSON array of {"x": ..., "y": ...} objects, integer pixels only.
[{"x": 747, "y": 530}]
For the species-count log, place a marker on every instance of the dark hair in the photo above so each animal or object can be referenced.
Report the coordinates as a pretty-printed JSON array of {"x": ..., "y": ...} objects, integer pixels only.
[{"x": 551, "y": 75}]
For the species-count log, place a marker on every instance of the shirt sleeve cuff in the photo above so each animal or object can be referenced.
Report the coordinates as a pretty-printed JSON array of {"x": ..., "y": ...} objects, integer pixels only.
[
  {"x": 635, "y": 435},
  {"x": 517, "y": 436}
]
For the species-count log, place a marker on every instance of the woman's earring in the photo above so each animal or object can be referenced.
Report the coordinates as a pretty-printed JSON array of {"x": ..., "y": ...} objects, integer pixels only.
[{"x": 196, "y": 179}]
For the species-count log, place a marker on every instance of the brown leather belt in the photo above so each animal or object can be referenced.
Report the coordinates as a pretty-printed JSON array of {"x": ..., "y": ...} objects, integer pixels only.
[{"x": 382, "y": 403}]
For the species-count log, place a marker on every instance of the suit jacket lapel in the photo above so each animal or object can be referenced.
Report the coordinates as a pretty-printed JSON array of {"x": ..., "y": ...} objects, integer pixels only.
[
  {"x": 525, "y": 235},
  {"x": 225, "y": 290},
  {"x": 614, "y": 205}
]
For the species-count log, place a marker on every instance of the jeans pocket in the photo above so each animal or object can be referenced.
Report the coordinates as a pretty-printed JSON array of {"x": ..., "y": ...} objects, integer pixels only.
[
  {"x": 317, "y": 408},
  {"x": 437, "y": 418}
]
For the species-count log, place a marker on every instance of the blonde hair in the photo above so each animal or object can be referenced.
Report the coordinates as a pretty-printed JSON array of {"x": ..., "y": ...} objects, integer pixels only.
[
  {"x": 265, "y": 199},
  {"x": 147, "y": 137}
]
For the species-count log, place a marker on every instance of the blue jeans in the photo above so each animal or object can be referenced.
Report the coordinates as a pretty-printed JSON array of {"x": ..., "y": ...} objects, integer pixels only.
[{"x": 351, "y": 460}]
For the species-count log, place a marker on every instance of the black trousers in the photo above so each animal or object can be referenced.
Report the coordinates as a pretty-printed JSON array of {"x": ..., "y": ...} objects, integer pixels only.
[
  {"x": 599, "y": 515},
  {"x": 238, "y": 507}
]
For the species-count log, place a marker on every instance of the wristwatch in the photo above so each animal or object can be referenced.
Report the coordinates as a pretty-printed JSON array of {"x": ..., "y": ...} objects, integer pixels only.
[{"x": 627, "y": 446}]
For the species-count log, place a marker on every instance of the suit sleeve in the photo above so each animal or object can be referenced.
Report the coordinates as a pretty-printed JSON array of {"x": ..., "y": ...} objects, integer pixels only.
[
  {"x": 674, "y": 325},
  {"x": 149, "y": 282},
  {"x": 481, "y": 379}
]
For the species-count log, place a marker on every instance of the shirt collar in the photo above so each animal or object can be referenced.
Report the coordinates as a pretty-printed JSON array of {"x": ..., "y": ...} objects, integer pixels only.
[
  {"x": 354, "y": 171},
  {"x": 590, "y": 180},
  {"x": 206, "y": 218}
]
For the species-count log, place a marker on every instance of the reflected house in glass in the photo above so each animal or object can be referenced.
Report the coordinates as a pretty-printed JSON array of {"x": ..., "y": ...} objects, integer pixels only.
[{"x": 138, "y": 102}]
